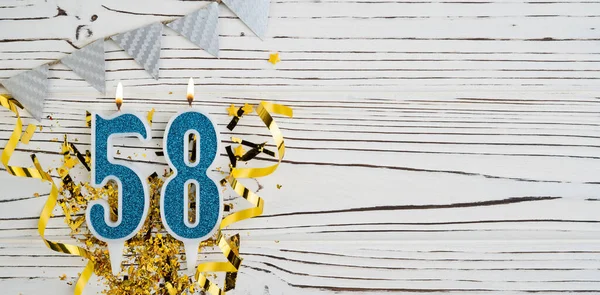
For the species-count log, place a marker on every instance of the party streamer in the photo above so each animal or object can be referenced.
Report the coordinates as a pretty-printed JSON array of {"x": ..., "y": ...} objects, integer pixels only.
[
  {"x": 38, "y": 172},
  {"x": 230, "y": 250}
]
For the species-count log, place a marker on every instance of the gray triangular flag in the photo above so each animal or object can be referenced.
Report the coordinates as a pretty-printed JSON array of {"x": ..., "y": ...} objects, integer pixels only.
[
  {"x": 254, "y": 13},
  {"x": 88, "y": 62},
  {"x": 200, "y": 27},
  {"x": 30, "y": 89},
  {"x": 143, "y": 45}
]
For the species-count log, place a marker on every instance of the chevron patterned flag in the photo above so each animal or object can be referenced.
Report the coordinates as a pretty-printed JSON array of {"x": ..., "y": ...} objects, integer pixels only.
[
  {"x": 200, "y": 27},
  {"x": 143, "y": 45},
  {"x": 30, "y": 89},
  {"x": 88, "y": 62},
  {"x": 254, "y": 13}
]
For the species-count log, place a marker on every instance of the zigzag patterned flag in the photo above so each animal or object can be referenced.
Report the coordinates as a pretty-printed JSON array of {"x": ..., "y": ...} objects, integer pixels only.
[
  {"x": 143, "y": 45},
  {"x": 200, "y": 27},
  {"x": 30, "y": 89},
  {"x": 254, "y": 13},
  {"x": 88, "y": 62}
]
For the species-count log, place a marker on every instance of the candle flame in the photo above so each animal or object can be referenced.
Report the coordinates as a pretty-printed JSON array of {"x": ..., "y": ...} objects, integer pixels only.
[
  {"x": 190, "y": 91},
  {"x": 119, "y": 96}
]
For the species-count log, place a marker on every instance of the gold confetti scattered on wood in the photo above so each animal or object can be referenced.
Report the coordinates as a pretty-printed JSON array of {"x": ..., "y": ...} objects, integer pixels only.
[{"x": 274, "y": 58}]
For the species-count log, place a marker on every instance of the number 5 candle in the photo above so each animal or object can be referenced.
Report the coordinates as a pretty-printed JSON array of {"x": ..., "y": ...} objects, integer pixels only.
[
  {"x": 174, "y": 196},
  {"x": 133, "y": 192}
]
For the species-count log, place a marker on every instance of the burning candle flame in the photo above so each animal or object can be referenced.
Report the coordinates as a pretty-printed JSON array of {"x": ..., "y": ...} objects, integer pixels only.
[
  {"x": 119, "y": 96},
  {"x": 190, "y": 91}
]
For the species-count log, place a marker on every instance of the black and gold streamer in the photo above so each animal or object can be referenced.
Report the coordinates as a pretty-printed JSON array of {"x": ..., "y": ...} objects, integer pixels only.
[
  {"x": 230, "y": 247},
  {"x": 38, "y": 172}
]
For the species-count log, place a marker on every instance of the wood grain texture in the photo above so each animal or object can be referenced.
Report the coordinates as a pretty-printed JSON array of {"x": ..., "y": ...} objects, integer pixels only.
[{"x": 437, "y": 147}]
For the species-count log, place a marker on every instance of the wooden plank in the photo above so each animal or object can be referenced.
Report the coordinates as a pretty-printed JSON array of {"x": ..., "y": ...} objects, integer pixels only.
[{"x": 437, "y": 147}]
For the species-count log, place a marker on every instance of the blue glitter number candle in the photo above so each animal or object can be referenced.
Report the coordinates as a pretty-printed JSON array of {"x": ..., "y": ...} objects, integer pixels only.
[
  {"x": 133, "y": 193},
  {"x": 174, "y": 206}
]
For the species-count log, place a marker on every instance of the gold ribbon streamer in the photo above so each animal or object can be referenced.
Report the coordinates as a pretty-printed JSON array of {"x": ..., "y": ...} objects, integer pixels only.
[
  {"x": 229, "y": 248},
  {"x": 38, "y": 172},
  {"x": 263, "y": 111}
]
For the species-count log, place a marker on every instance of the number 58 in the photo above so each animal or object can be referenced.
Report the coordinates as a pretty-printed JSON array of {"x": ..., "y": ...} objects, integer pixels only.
[{"x": 134, "y": 198}]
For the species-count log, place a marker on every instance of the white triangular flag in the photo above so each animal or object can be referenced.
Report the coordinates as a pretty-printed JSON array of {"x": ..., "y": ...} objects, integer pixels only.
[
  {"x": 30, "y": 89},
  {"x": 254, "y": 13},
  {"x": 143, "y": 45},
  {"x": 88, "y": 62},
  {"x": 200, "y": 27}
]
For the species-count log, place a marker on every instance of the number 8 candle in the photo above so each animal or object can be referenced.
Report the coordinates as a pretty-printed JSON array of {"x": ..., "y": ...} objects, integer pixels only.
[
  {"x": 174, "y": 196},
  {"x": 133, "y": 192}
]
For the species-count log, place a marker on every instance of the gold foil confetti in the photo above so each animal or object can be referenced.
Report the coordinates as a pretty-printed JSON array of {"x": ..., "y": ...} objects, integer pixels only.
[
  {"x": 232, "y": 110},
  {"x": 247, "y": 108},
  {"x": 274, "y": 58},
  {"x": 150, "y": 116},
  {"x": 88, "y": 119},
  {"x": 239, "y": 151}
]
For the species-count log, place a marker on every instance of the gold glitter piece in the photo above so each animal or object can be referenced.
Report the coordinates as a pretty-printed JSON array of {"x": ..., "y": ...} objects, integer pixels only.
[
  {"x": 274, "y": 58},
  {"x": 150, "y": 116},
  {"x": 88, "y": 119},
  {"x": 232, "y": 111},
  {"x": 248, "y": 109},
  {"x": 239, "y": 151}
]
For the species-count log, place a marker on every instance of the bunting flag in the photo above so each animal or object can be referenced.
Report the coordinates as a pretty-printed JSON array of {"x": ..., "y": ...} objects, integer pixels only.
[
  {"x": 88, "y": 62},
  {"x": 30, "y": 89},
  {"x": 200, "y": 27},
  {"x": 143, "y": 45},
  {"x": 254, "y": 13}
]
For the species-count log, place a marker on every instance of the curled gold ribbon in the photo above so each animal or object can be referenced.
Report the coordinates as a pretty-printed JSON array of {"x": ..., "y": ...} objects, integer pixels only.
[
  {"x": 230, "y": 247},
  {"x": 264, "y": 109},
  {"x": 38, "y": 172}
]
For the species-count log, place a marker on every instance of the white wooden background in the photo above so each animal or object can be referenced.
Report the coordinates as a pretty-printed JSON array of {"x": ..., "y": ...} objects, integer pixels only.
[{"x": 437, "y": 146}]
